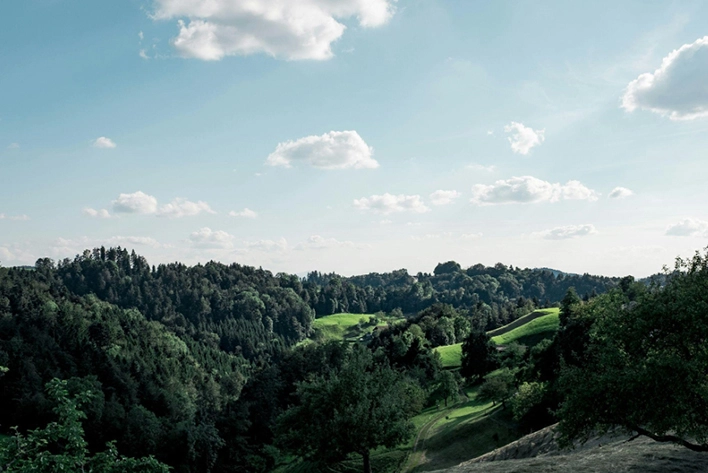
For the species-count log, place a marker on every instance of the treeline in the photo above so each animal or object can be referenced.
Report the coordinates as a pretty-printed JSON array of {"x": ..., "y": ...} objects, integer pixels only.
[
  {"x": 493, "y": 296},
  {"x": 196, "y": 365}
]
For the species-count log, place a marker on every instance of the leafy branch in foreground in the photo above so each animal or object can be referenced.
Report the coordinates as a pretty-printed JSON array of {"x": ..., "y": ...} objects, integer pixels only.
[
  {"x": 61, "y": 447},
  {"x": 644, "y": 367}
]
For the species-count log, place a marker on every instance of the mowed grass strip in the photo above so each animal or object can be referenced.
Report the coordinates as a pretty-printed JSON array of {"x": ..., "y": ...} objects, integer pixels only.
[
  {"x": 531, "y": 333},
  {"x": 543, "y": 324}
]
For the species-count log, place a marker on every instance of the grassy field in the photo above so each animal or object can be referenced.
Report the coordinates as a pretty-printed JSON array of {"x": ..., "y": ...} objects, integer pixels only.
[
  {"x": 527, "y": 330},
  {"x": 532, "y": 332},
  {"x": 447, "y": 437},
  {"x": 349, "y": 327},
  {"x": 450, "y": 355}
]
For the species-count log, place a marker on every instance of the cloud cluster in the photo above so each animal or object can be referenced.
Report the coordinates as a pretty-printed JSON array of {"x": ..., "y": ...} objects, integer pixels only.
[
  {"x": 104, "y": 143},
  {"x": 317, "y": 242},
  {"x": 245, "y": 213},
  {"x": 145, "y": 204},
  {"x": 389, "y": 203},
  {"x": 689, "y": 227},
  {"x": 206, "y": 238},
  {"x": 620, "y": 193},
  {"x": 333, "y": 150},
  {"x": 523, "y": 138},
  {"x": 528, "y": 189},
  {"x": 567, "y": 232},
  {"x": 96, "y": 213},
  {"x": 180, "y": 207},
  {"x": 287, "y": 29},
  {"x": 677, "y": 89},
  {"x": 14, "y": 217},
  {"x": 441, "y": 197}
]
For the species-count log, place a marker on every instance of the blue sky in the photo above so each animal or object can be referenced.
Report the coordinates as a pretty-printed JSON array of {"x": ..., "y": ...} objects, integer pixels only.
[{"x": 356, "y": 135}]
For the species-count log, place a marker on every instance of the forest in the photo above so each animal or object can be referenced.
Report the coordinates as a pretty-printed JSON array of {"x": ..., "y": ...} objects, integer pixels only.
[{"x": 213, "y": 368}]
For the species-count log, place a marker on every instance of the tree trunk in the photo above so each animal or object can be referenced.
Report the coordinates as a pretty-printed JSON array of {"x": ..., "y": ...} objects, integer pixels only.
[{"x": 367, "y": 462}]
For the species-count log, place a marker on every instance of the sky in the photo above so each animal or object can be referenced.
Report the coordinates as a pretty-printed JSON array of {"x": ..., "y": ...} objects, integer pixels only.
[{"x": 356, "y": 135}]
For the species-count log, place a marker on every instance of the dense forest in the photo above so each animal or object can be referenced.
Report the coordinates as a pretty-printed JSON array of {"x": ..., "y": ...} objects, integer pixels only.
[{"x": 198, "y": 365}]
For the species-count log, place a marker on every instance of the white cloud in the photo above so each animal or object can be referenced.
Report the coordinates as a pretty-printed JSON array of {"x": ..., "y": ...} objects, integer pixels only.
[
  {"x": 389, "y": 203},
  {"x": 13, "y": 146},
  {"x": 135, "y": 203},
  {"x": 183, "y": 208},
  {"x": 134, "y": 241},
  {"x": 689, "y": 227},
  {"x": 245, "y": 213},
  {"x": 103, "y": 142},
  {"x": 317, "y": 242},
  {"x": 480, "y": 167},
  {"x": 677, "y": 89},
  {"x": 93, "y": 213},
  {"x": 441, "y": 197},
  {"x": 287, "y": 29},
  {"x": 523, "y": 138},
  {"x": 22, "y": 217},
  {"x": 333, "y": 150},
  {"x": 141, "y": 35},
  {"x": 6, "y": 254},
  {"x": 620, "y": 193},
  {"x": 268, "y": 245},
  {"x": 528, "y": 189},
  {"x": 143, "y": 54},
  {"x": 566, "y": 232},
  {"x": 211, "y": 239}
]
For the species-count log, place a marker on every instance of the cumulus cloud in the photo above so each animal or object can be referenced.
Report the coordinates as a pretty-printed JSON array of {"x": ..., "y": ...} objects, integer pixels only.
[
  {"x": 183, "y": 208},
  {"x": 523, "y": 138},
  {"x": 93, "y": 213},
  {"x": 441, "y": 197},
  {"x": 389, "y": 203},
  {"x": 103, "y": 142},
  {"x": 677, "y": 89},
  {"x": 13, "y": 146},
  {"x": 317, "y": 242},
  {"x": 528, "y": 189},
  {"x": 268, "y": 245},
  {"x": 471, "y": 236},
  {"x": 287, "y": 29},
  {"x": 134, "y": 241},
  {"x": 245, "y": 213},
  {"x": 22, "y": 217},
  {"x": 135, "y": 203},
  {"x": 566, "y": 232},
  {"x": 689, "y": 227},
  {"x": 620, "y": 193},
  {"x": 333, "y": 150},
  {"x": 211, "y": 239}
]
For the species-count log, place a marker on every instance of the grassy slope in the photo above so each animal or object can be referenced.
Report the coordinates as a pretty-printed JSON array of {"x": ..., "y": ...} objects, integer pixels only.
[
  {"x": 346, "y": 326},
  {"x": 527, "y": 330}
]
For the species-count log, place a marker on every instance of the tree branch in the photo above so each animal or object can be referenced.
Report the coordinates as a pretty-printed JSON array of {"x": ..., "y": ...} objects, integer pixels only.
[{"x": 671, "y": 438}]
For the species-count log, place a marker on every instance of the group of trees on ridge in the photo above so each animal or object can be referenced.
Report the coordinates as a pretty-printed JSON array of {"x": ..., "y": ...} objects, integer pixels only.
[{"x": 196, "y": 366}]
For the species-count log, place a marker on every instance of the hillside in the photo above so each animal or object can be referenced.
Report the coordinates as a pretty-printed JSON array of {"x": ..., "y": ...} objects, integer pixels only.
[
  {"x": 608, "y": 456},
  {"x": 527, "y": 330}
]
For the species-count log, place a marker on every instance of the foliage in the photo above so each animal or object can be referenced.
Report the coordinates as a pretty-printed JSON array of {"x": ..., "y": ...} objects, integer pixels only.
[
  {"x": 498, "y": 387},
  {"x": 60, "y": 446},
  {"x": 478, "y": 355},
  {"x": 352, "y": 410},
  {"x": 643, "y": 366}
]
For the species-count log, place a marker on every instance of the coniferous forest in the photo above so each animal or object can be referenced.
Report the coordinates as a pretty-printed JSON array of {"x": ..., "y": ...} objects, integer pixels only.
[{"x": 205, "y": 368}]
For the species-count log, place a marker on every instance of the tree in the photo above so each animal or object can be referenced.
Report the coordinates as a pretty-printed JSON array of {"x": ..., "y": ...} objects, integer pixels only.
[
  {"x": 60, "y": 446},
  {"x": 478, "y": 355},
  {"x": 447, "y": 387},
  {"x": 645, "y": 364},
  {"x": 498, "y": 388},
  {"x": 569, "y": 302},
  {"x": 352, "y": 410}
]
